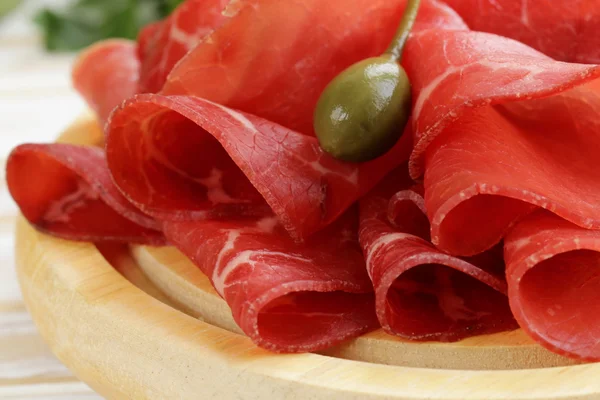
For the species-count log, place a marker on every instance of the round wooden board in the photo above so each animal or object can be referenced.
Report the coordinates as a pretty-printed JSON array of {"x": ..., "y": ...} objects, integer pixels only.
[
  {"x": 184, "y": 283},
  {"x": 131, "y": 343}
]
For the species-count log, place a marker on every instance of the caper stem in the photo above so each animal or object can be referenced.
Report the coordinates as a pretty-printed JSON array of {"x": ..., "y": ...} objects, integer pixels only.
[{"x": 408, "y": 20}]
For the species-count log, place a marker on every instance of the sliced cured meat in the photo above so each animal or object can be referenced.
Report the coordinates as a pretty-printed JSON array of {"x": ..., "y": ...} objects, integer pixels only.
[
  {"x": 146, "y": 39},
  {"x": 454, "y": 71},
  {"x": 324, "y": 188},
  {"x": 162, "y": 45},
  {"x": 567, "y": 30},
  {"x": 286, "y": 297},
  {"x": 500, "y": 164},
  {"x": 67, "y": 191},
  {"x": 106, "y": 74},
  {"x": 180, "y": 157},
  {"x": 406, "y": 212},
  {"x": 273, "y": 59},
  {"x": 554, "y": 283},
  {"x": 421, "y": 292},
  {"x": 500, "y": 131}
]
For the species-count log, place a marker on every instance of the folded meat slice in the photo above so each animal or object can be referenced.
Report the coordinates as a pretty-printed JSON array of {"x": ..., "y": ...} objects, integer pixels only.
[
  {"x": 553, "y": 270},
  {"x": 67, "y": 191},
  {"x": 185, "y": 158},
  {"x": 455, "y": 71},
  {"x": 566, "y": 30},
  {"x": 286, "y": 297},
  {"x": 273, "y": 58},
  {"x": 266, "y": 57},
  {"x": 421, "y": 292},
  {"x": 173, "y": 160},
  {"x": 499, "y": 164},
  {"x": 499, "y": 129},
  {"x": 161, "y": 45},
  {"x": 105, "y": 74}
]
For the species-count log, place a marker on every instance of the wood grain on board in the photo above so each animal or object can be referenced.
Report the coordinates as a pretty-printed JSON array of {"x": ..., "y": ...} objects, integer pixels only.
[
  {"x": 125, "y": 343},
  {"x": 143, "y": 344}
]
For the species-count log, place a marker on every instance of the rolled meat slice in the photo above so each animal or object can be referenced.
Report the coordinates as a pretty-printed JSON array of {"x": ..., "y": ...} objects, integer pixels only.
[
  {"x": 185, "y": 158},
  {"x": 453, "y": 72},
  {"x": 506, "y": 162},
  {"x": 421, "y": 292},
  {"x": 554, "y": 283},
  {"x": 105, "y": 74},
  {"x": 287, "y": 297},
  {"x": 66, "y": 190},
  {"x": 161, "y": 45}
]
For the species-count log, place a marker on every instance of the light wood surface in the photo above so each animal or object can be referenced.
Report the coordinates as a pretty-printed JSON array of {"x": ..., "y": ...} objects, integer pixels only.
[
  {"x": 177, "y": 277},
  {"x": 125, "y": 343}
]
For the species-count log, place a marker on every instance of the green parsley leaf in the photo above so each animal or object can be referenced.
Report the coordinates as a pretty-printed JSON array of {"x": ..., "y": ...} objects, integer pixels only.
[{"x": 88, "y": 21}]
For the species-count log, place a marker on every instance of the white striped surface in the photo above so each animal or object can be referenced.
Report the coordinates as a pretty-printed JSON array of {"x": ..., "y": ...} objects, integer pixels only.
[{"x": 36, "y": 103}]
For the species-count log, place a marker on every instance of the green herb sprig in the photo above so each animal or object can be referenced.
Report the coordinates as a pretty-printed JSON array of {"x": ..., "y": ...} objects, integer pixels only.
[{"x": 88, "y": 21}]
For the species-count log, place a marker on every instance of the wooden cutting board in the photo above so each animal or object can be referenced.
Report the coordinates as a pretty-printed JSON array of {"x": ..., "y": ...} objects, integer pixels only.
[{"x": 152, "y": 328}]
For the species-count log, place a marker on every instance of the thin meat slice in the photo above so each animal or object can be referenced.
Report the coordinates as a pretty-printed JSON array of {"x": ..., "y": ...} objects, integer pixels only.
[
  {"x": 105, "y": 74},
  {"x": 146, "y": 39},
  {"x": 66, "y": 190},
  {"x": 274, "y": 58},
  {"x": 566, "y": 30},
  {"x": 406, "y": 212},
  {"x": 499, "y": 164},
  {"x": 454, "y": 71},
  {"x": 421, "y": 292},
  {"x": 163, "y": 44},
  {"x": 184, "y": 158},
  {"x": 286, "y": 297},
  {"x": 553, "y": 270}
]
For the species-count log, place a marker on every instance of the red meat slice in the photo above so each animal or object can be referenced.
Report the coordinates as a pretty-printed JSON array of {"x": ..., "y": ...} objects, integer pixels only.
[
  {"x": 156, "y": 141},
  {"x": 554, "y": 283},
  {"x": 452, "y": 72},
  {"x": 67, "y": 191},
  {"x": 180, "y": 157},
  {"x": 421, "y": 292},
  {"x": 273, "y": 58},
  {"x": 286, "y": 297},
  {"x": 406, "y": 212},
  {"x": 499, "y": 164},
  {"x": 162, "y": 45},
  {"x": 567, "y": 30},
  {"x": 500, "y": 130},
  {"x": 106, "y": 74}
]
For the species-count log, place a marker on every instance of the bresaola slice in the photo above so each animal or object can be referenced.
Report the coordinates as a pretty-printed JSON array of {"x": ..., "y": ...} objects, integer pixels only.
[
  {"x": 553, "y": 270},
  {"x": 406, "y": 212},
  {"x": 153, "y": 151},
  {"x": 273, "y": 59},
  {"x": 286, "y": 297},
  {"x": 105, "y": 74},
  {"x": 67, "y": 191},
  {"x": 184, "y": 158},
  {"x": 220, "y": 179},
  {"x": 163, "y": 44},
  {"x": 454, "y": 71},
  {"x": 423, "y": 293},
  {"x": 505, "y": 162},
  {"x": 566, "y": 30}
]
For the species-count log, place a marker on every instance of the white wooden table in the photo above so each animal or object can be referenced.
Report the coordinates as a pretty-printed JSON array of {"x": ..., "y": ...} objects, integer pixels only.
[{"x": 36, "y": 103}]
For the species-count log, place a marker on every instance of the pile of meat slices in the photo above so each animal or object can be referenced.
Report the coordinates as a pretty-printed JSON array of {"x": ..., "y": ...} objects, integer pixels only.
[{"x": 483, "y": 218}]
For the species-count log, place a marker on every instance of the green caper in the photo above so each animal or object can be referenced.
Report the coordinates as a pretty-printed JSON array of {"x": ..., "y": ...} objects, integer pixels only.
[{"x": 362, "y": 113}]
